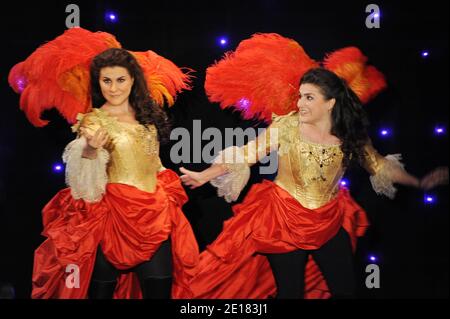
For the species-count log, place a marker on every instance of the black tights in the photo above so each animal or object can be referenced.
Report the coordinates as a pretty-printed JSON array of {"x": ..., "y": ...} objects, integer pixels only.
[
  {"x": 335, "y": 260},
  {"x": 155, "y": 275}
]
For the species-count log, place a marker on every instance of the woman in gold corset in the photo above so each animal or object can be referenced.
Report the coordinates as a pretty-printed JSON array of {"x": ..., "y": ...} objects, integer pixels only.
[
  {"x": 119, "y": 226},
  {"x": 304, "y": 213}
]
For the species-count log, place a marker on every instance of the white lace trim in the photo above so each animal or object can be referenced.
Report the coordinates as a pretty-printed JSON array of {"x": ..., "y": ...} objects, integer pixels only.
[
  {"x": 86, "y": 178},
  {"x": 382, "y": 182},
  {"x": 233, "y": 182}
]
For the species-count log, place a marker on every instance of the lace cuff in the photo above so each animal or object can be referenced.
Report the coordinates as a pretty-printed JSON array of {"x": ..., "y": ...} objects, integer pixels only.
[
  {"x": 231, "y": 184},
  {"x": 86, "y": 178},
  {"x": 382, "y": 182}
]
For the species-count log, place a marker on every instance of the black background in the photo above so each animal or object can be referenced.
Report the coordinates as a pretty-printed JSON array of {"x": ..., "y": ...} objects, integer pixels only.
[{"x": 409, "y": 237}]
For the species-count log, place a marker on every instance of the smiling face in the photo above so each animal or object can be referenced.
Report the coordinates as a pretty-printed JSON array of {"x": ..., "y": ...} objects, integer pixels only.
[
  {"x": 312, "y": 105},
  {"x": 115, "y": 84}
]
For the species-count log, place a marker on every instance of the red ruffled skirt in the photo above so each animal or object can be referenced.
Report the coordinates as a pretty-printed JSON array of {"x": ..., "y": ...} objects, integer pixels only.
[
  {"x": 270, "y": 220},
  {"x": 129, "y": 224}
]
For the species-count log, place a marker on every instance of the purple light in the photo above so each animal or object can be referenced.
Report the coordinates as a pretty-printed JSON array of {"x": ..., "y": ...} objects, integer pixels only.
[
  {"x": 57, "y": 168},
  {"x": 376, "y": 15},
  {"x": 111, "y": 16},
  {"x": 425, "y": 54},
  {"x": 385, "y": 132},
  {"x": 344, "y": 182},
  {"x": 21, "y": 83},
  {"x": 429, "y": 199},
  {"x": 439, "y": 130},
  {"x": 244, "y": 103},
  {"x": 372, "y": 258},
  {"x": 223, "y": 41}
]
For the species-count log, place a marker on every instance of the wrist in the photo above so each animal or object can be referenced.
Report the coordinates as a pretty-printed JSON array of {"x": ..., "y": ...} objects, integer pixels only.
[
  {"x": 89, "y": 152},
  {"x": 417, "y": 183},
  {"x": 91, "y": 148},
  {"x": 212, "y": 172}
]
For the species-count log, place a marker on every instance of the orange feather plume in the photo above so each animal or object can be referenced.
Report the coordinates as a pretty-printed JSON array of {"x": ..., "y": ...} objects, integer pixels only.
[
  {"x": 350, "y": 64},
  {"x": 164, "y": 79},
  {"x": 56, "y": 75},
  {"x": 263, "y": 75},
  {"x": 260, "y": 78}
]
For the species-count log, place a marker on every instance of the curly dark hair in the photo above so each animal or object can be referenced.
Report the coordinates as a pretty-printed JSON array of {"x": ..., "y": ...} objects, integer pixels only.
[
  {"x": 349, "y": 120},
  {"x": 146, "y": 110}
]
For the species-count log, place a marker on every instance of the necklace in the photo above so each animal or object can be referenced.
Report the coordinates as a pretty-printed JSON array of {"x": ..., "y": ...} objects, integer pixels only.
[
  {"x": 322, "y": 154},
  {"x": 323, "y": 158}
]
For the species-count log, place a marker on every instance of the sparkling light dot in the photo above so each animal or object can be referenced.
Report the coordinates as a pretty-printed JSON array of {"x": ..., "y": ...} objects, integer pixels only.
[
  {"x": 344, "y": 182},
  {"x": 439, "y": 130},
  {"x": 223, "y": 41},
  {"x": 385, "y": 132},
  {"x": 111, "y": 16},
  {"x": 57, "y": 168},
  {"x": 429, "y": 199}
]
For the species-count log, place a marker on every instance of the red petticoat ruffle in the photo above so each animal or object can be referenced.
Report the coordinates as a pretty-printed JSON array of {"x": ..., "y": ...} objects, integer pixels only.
[
  {"x": 128, "y": 223},
  {"x": 270, "y": 220}
]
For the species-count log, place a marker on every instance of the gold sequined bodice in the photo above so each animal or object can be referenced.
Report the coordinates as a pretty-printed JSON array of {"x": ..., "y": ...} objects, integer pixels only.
[
  {"x": 133, "y": 148},
  {"x": 310, "y": 172}
]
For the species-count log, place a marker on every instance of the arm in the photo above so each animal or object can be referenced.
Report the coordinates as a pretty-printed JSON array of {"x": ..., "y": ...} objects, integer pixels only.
[
  {"x": 230, "y": 170},
  {"x": 401, "y": 176},
  {"x": 438, "y": 176},
  {"x": 86, "y": 161},
  {"x": 385, "y": 171},
  {"x": 197, "y": 179},
  {"x": 96, "y": 136}
]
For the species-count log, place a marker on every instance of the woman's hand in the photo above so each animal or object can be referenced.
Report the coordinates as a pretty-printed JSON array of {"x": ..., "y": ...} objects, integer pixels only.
[
  {"x": 94, "y": 142},
  {"x": 197, "y": 179},
  {"x": 97, "y": 140},
  {"x": 438, "y": 176},
  {"x": 191, "y": 178}
]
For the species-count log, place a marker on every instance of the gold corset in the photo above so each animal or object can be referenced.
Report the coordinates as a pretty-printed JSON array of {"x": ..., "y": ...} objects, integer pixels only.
[
  {"x": 133, "y": 148},
  {"x": 308, "y": 171},
  {"x": 311, "y": 172}
]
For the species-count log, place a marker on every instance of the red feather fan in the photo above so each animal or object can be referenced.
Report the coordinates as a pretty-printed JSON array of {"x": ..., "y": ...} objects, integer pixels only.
[
  {"x": 350, "y": 64},
  {"x": 262, "y": 76},
  {"x": 57, "y": 75},
  {"x": 164, "y": 79}
]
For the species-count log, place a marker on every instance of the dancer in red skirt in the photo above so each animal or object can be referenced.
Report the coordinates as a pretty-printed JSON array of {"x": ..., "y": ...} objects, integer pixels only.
[
  {"x": 293, "y": 237},
  {"x": 118, "y": 230}
]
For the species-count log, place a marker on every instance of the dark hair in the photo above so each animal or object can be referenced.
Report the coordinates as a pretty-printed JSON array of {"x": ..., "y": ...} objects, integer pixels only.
[
  {"x": 349, "y": 120},
  {"x": 146, "y": 110}
]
